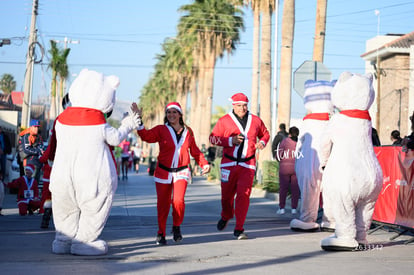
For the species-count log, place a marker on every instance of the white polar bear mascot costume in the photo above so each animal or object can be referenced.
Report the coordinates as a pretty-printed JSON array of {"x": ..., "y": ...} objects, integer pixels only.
[
  {"x": 352, "y": 177},
  {"x": 84, "y": 179},
  {"x": 317, "y": 100}
]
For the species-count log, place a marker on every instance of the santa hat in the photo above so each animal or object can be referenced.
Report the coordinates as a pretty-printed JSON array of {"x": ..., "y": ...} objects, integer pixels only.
[
  {"x": 29, "y": 167},
  {"x": 174, "y": 105},
  {"x": 239, "y": 98}
]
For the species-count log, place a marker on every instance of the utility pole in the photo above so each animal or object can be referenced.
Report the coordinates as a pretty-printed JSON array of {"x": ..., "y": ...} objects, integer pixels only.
[
  {"x": 28, "y": 79},
  {"x": 378, "y": 73},
  {"x": 320, "y": 30},
  {"x": 275, "y": 63}
]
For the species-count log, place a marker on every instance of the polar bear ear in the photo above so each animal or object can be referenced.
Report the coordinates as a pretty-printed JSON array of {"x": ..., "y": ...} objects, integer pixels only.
[
  {"x": 344, "y": 76},
  {"x": 83, "y": 71},
  {"x": 113, "y": 81}
]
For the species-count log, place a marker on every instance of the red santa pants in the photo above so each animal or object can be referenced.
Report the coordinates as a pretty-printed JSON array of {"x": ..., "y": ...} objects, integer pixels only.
[
  {"x": 164, "y": 200},
  {"x": 239, "y": 184},
  {"x": 46, "y": 195},
  {"x": 23, "y": 206}
]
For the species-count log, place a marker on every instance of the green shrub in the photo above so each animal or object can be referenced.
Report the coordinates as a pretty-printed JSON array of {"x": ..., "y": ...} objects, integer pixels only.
[
  {"x": 215, "y": 170},
  {"x": 271, "y": 176}
]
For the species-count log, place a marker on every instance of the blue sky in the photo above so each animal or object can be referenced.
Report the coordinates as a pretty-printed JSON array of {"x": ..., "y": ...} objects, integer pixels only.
[{"x": 123, "y": 38}]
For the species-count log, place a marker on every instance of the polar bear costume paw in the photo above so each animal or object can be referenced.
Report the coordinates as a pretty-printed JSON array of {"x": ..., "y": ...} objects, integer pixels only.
[
  {"x": 327, "y": 227},
  {"x": 95, "y": 248},
  {"x": 298, "y": 225},
  {"x": 61, "y": 247},
  {"x": 334, "y": 243}
]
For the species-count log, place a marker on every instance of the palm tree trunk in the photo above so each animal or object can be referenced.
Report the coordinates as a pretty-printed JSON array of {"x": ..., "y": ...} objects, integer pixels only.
[
  {"x": 206, "y": 98},
  {"x": 256, "y": 53},
  {"x": 52, "y": 111},
  {"x": 288, "y": 26},
  {"x": 205, "y": 128},
  {"x": 265, "y": 79}
]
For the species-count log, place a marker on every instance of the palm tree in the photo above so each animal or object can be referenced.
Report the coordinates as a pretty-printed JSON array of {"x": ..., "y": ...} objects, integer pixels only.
[
  {"x": 254, "y": 106},
  {"x": 58, "y": 64},
  {"x": 7, "y": 83},
  {"x": 266, "y": 7},
  {"x": 288, "y": 27},
  {"x": 63, "y": 73},
  {"x": 216, "y": 24}
]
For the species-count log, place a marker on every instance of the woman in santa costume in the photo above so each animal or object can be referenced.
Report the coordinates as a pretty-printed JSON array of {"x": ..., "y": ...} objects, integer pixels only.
[
  {"x": 172, "y": 173},
  {"x": 240, "y": 133}
]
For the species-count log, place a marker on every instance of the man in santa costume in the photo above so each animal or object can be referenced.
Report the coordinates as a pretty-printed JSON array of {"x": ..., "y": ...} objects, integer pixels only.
[
  {"x": 83, "y": 180},
  {"x": 240, "y": 133}
]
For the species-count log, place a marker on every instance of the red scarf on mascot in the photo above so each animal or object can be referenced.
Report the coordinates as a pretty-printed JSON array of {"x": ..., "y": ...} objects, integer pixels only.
[
  {"x": 363, "y": 114},
  {"x": 317, "y": 116}
]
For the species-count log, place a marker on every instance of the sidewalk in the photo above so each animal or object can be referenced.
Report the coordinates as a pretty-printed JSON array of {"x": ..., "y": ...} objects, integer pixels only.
[{"x": 272, "y": 248}]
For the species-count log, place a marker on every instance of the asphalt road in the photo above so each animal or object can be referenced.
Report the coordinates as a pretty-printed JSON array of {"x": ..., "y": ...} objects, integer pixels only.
[{"x": 272, "y": 248}]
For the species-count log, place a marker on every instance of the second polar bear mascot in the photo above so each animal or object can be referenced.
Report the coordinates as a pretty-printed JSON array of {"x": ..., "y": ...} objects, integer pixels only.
[
  {"x": 317, "y": 100},
  {"x": 352, "y": 177},
  {"x": 84, "y": 179}
]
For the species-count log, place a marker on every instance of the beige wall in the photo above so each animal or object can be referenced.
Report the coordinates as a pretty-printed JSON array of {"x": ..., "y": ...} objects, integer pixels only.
[{"x": 393, "y": 81}]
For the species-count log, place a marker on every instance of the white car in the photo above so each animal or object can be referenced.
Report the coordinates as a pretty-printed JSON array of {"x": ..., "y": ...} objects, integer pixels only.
[{"x": 13, "y": 167}]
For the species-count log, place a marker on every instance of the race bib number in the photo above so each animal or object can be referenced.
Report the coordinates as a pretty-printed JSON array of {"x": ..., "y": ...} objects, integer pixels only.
[
  {"x": 225, "y": 175},
  {"x": 183, "y": 175},
  {"x": 28, "y": 194}
]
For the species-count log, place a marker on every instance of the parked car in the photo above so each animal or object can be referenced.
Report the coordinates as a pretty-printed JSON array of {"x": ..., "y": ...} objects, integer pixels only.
[{"x": 13, "y": 171}]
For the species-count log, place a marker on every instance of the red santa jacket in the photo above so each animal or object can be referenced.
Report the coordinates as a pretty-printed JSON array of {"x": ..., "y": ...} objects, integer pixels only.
[
  {"x": 227, "y": 127},
  {"x": 172, "y": 154},
  {"x": 24, "y": 185}
]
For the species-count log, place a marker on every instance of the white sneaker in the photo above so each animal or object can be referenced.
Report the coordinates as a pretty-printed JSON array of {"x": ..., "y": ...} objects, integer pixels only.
[
  {"x": 280, "y": 211},
  {"x": 294, "y": 211}
]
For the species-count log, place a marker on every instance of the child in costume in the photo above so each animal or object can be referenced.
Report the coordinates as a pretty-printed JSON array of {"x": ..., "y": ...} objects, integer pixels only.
[{"x": 28, "y": 191}]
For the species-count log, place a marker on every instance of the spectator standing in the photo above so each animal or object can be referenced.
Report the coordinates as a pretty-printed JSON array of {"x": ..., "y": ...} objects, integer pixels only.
[
  {"x": 281, "y": 135},
  {"x": 5, "y": 149},
  {"x": 240, "y": 133},
  {"x": 137, "y": 157},
  {"x": 1, "y": 193},
  {"x": 396, "y": 138},
  {"x": 375, "y": 138},
  {"x": 125, "y": 155},
  {"x": 31, "y": 147},
  {"x": 287, "y": 175},
  {"x": 172, "y": 173}
]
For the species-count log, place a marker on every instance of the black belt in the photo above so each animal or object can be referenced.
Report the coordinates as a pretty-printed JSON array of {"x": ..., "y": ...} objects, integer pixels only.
[
  {"x": 239, "y": 160},
  {"x": 172, "y": 169}
]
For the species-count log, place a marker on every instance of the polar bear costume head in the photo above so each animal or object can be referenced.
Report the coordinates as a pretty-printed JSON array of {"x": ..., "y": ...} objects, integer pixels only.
[
  {"x": 353, "y": 91},
  {"x": 317, "y": 98},
  {"x": 94, "y": 90}
]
